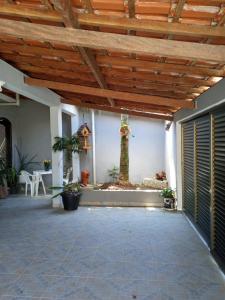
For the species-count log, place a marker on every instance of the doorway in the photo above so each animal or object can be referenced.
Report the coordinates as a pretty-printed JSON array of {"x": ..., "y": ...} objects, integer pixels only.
[{"x": 6, "y": 142}]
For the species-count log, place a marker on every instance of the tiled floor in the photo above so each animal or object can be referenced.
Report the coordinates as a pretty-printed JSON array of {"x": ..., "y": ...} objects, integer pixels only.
[{"x": 101, "y": 254}]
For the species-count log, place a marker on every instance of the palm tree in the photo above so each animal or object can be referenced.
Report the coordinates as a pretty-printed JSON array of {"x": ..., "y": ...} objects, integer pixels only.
[{"x": 124, "y": 149}]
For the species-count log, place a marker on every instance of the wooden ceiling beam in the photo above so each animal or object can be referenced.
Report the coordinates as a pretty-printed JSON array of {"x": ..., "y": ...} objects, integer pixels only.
[
  {"x": 118, "y": 110},
  {"x": 118, "y": 103},
  {"x": 118, "y": 23},
  {"x": 112, "y": 41},
  {"x": 31, "y": 13},
  {"x": 157, "y": 66},
  {"x": 109, "y": 93}
]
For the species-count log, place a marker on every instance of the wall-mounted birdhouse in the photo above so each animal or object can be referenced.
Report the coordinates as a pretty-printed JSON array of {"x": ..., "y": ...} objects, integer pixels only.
[{"x": 83, "y": 133}]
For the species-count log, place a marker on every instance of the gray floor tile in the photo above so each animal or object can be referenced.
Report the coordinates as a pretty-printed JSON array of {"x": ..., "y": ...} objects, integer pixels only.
[{"x": 101, "y": 254}]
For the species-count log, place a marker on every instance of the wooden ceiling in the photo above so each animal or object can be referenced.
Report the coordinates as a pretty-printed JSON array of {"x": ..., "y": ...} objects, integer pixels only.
[{"x": 147, "y": 58}]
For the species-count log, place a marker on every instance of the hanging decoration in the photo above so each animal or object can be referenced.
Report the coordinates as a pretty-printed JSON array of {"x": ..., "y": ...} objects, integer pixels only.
[{"x": 84, "y": 132}]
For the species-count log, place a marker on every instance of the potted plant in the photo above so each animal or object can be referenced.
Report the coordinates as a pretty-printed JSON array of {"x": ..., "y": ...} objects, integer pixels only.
[
  {"x": 47, "y": 164},
  {"x": 70, "y": 194},
  {"x": 169, "y": 199},
  {"x": 25, "y": 162},
  {"x": 12, "y": 179},
  {"x": 67, "y": 144}
]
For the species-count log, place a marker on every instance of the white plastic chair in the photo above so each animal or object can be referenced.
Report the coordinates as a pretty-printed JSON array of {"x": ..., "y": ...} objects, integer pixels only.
[
  {"x": 30, "y": 180},
  {"x": 39, "y": 180}
]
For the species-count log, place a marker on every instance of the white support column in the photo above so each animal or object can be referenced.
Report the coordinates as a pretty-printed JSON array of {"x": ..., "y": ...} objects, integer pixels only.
[
  {"x": 179, "y": 167},
  {"x": 75, "y": 156},
  {"x": 57, "y": 157},
  {"x": 93, "y": 145}
]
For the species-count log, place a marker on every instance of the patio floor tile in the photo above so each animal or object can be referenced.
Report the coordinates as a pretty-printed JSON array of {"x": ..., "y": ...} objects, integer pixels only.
[{"x": 101, "y": 254}]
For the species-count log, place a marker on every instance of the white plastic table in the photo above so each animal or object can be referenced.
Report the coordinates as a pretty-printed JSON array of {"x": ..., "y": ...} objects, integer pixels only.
[{"x": 40, "y": 173}]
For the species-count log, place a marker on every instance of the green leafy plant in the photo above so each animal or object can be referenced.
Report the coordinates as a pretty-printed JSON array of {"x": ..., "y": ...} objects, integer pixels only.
[
  {"x": 114, "y": 173},
  {"x": 73, "y": 187},
  {"x": 12, "y": 176},
  {"x": 68, "y": 144},
  {"x": 25, "y": 161},
  {"x": 167, "y": 193}
]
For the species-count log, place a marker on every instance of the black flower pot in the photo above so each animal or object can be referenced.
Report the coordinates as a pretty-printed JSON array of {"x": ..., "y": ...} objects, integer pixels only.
[{"x": 70, "y": 200}]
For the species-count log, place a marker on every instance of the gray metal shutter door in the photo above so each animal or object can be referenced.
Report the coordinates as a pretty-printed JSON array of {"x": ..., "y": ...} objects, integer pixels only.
[
  {"x": 188, "y": 168},
  {"x": 203, "y": 175},
  {"x": 219, "y": 184}
]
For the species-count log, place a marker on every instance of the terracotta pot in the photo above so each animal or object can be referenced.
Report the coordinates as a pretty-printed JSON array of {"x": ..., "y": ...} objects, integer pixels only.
[
  {"x": 85, "y": 177},
  {"x": 3, "y": 191}
]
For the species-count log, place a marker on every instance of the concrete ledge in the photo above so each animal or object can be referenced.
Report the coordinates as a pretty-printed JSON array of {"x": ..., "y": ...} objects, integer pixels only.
[{"x": 130, "y": 198}]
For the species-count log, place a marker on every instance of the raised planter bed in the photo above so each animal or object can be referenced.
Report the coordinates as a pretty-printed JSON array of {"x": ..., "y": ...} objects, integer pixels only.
[{"x": 123, "y": 198}]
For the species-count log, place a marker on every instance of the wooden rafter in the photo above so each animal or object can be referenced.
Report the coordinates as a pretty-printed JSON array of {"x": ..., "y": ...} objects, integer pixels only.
[
  {"x": 47, "y": 4},
  {"x": 109, "y": 93},
  {"x": 65, "y": 8},
  {"x": 77, "y": 102},
  {"x": 87, "y": 6},
  {"x": 178, "y": 10},
  {"x": 131, "y": 8},
  {"x": 116, "y": 42}
]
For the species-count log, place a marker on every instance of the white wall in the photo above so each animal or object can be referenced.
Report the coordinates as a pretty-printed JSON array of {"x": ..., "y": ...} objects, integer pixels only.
[
  {"x": 30, "y": 128},
  {"x": 146, "y": 148}
]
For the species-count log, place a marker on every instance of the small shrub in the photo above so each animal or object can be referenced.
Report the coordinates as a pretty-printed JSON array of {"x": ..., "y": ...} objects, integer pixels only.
[{"x": 114, "y": 173}]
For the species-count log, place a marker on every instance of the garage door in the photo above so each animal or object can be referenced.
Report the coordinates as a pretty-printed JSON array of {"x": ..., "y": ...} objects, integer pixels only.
[
  {"x": 204, "y": 178},
  {"x": 203, "y": 175},
  {"x": 188, "y": 168}
]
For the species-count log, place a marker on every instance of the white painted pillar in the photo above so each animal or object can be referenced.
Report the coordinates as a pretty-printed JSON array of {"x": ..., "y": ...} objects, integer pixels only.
[
  {"x": 75, "y": 156},
  {"x": 93, "y": 145},
  {"x": 57, "y": 157},
  {"x": 170, "y": 156},
  {"x": 179, "y": 167}
]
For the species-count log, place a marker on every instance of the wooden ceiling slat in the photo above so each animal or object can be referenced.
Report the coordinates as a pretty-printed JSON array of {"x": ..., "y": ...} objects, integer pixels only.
[
  {"x": 40, "y": 51},
  {"x": 109, "y": 93},
  {"x": 66, "y": 74},
  {"x": 157, "y": 66},
  {"x": 156, "y": 86},
  {"x": 44, "y": 62},
  {"x": 116, "y": 42},
  {"x": 152, "y": 27},
  {"x": 156, "y": 78}
]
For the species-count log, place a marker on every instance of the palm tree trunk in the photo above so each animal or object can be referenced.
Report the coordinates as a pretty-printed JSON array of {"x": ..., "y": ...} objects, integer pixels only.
[{"x": 124, "y": 150}]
